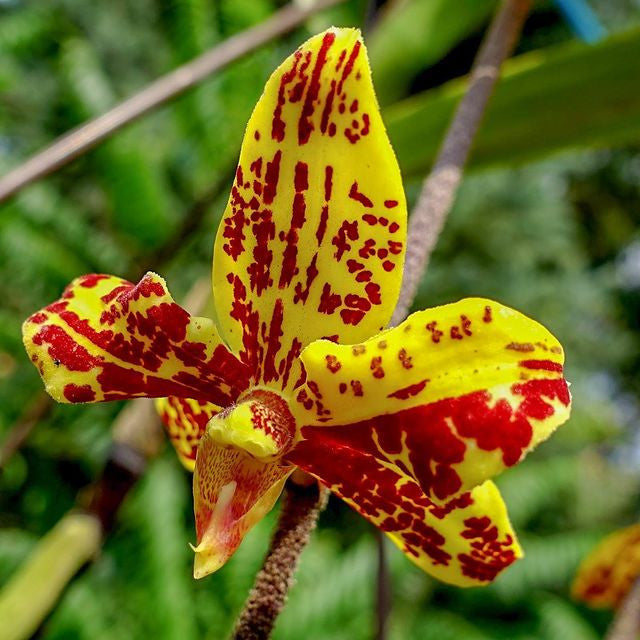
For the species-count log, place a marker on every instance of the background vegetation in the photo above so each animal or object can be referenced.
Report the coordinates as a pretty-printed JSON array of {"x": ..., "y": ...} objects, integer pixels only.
[{"x": 547, "y": 221}]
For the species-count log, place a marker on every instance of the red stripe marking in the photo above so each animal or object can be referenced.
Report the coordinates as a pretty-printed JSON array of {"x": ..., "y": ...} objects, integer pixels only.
[
  {"x": 354, "y": 194},
  {"x": 277, "y": 123},
  {"x": 305, "y": 126},
  {"x": 271, "y": 178},
  {"x": 273, "y": 341},
  {"x": 348, "y": 68},
  {"x": 407, "y": 392},
  {"x": 545, "y": 365},
  {"x": 290, "y": 255}
]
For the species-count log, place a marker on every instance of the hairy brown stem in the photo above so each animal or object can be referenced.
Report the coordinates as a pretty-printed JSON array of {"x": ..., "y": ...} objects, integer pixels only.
[
  {"x": 440, "y": 187},
  {"x": 169, "y": 86},
  {"x": 300, "y": 510},
  {"x": 626, "y": 623}
]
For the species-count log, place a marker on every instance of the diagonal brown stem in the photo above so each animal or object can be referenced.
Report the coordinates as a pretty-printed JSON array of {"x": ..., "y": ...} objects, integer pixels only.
[
  {"x": 626, "y": 623},
  {"x": 300, "y": 510},
  {"x": 88, "y": 135},
  {"x": 440, "y": 187}
]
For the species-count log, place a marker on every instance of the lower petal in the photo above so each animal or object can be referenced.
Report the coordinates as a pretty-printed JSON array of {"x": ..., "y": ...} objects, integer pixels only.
[
  {"x": 185, "y": 421},
  {"x": 232, "y": 492},
  {"x": 467, "y": 541}
]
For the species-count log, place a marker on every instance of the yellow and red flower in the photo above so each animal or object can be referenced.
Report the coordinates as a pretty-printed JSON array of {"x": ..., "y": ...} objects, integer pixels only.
[
  {"x": 407, "y": 426},
  {"x": 607, "y": 574}
]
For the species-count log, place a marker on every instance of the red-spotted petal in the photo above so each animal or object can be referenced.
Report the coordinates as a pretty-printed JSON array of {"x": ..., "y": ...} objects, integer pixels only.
[
  {"x": 232, "y": 491},
  {"x": 108, "y": 339},
  {"x": 312, "y": 241},
  {"x": 609, "y": 572},
  {"x": 467, "y": 541},
  {"x": 453, "y": 395},
  {"x": 185, "y": 421}
]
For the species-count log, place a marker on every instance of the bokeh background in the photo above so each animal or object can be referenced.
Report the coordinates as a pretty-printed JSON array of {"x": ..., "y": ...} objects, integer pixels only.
[{"x": 546, "y": 221}]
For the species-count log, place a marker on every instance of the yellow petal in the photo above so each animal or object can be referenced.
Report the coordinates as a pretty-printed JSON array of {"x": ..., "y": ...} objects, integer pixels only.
[
  {"x": 607, "y": 574},
  {"x": 108, "y": 339},
  {"x": 312, "y": 241},
  {"x": 454, "y": 394},
  {"x": 466, "y": 542},
  {"x": 185, "y": 421}
]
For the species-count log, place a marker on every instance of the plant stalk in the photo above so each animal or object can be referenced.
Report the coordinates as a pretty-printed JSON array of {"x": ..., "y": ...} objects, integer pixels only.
[
  {"x": 300, "y": 510},
  {"x": 626, "y": 623},
  {"x": 440, "y": 187},
  {"x": 169, "y": 86}
]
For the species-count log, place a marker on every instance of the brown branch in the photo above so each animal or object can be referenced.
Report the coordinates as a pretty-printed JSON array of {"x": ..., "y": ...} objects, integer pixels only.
[
  {"x": 626, "y": 623},
  {"x": 440, "y": 187},
  {"x": 300, "y": 510},
  {"x": 169, "y": 86}
]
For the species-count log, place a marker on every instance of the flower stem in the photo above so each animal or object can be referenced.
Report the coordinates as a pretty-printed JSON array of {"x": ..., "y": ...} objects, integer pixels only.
[
  {"x": 626, "y": 623},
  {"x": 300, "y": 510},
  {"x": 440, "y": 187}
]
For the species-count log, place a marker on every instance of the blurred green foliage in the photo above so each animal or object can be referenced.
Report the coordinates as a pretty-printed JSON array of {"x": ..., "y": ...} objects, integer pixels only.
[{"x": 557, "y": 238}]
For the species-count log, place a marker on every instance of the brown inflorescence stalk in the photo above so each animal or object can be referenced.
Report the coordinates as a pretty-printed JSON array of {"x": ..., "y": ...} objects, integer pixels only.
[
  {"x": 173, "y": 84},
  {"x": 300, "y": 510},
  {"x": 626, "y": 623},
  {"x": 440, "y": 187}
]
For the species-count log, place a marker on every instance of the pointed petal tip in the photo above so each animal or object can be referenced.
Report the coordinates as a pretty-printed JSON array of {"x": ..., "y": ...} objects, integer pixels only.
[{"x": 206, "y": 561}]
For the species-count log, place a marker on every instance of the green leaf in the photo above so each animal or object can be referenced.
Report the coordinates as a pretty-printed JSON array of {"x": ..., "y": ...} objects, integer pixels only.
[
  {"x": 427, "y": 31},
  {"x": 130, "y": 163},
  {"x": 563, "y": 97},
  {"x": 560, "y": 619},
  {"x": 162, "y": 500}
]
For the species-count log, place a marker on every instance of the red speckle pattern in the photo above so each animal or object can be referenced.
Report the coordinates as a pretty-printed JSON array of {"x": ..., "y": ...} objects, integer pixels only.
[
  {"x": 294, "y": 227},
  {"x": 140, "y": 345},
  {"x": 489, "y": 554},
  {"x": 435, "y": 436},
  {"x": 185, "y": 422},
  {"x": 387, "y": 495}
]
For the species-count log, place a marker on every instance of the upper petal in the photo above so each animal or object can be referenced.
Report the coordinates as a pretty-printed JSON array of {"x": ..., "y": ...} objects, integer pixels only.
[
  {"x": 467, "y": 541},
  {"x": 107, "y": 339},
  {"x": 312, "y": 241},
  {"x": 455, "y": 394},
  {"x": 607, "y": 574}
]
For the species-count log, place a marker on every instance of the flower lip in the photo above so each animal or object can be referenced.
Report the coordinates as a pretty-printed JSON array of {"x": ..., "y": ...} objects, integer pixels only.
[{"x": 260, "y": 424}]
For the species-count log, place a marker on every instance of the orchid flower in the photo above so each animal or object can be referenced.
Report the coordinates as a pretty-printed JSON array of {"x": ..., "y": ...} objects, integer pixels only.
[
  {"x": 609, "y": 572},
  {"x": 407, "y": 424}
]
